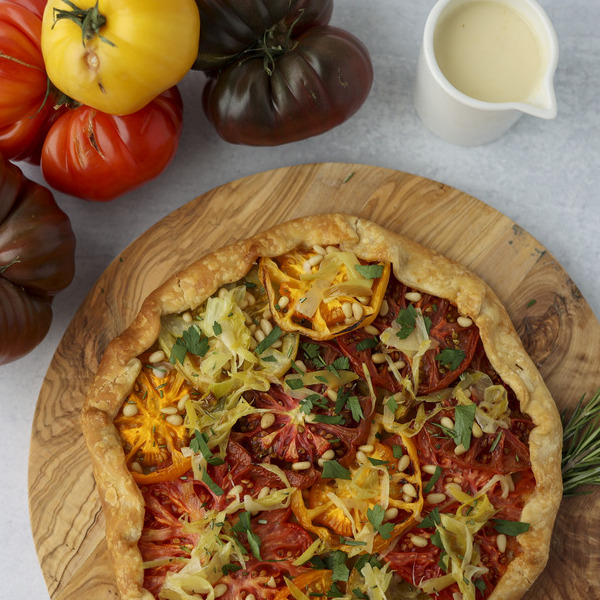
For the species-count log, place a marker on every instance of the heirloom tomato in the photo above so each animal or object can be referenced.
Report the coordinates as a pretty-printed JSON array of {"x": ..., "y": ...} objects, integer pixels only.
[
  {"x": 37, "y": 248},
  {"x": 26, "y": 101},
  {"x": 289, "y": 87},
  {"x": 117, "y": 55},
  {"x": 98, "y": 156},
  {"x": 231, "y": 26}
]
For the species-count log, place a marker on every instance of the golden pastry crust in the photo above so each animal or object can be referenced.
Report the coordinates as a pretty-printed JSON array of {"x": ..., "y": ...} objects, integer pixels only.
[{"x": 414, "y": 265}]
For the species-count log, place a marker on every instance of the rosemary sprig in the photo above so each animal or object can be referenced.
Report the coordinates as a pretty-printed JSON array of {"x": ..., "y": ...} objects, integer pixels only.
[{"x": 581, "y": 447}]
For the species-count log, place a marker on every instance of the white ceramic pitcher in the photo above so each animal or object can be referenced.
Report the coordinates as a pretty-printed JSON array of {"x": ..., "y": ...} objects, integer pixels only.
[{"x": 464, "y": 120}]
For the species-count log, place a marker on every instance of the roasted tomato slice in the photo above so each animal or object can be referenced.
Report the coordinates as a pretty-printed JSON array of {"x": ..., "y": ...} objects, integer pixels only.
[
  {"x": 323, "y": 293},
  {"x": 291, "y": 435},
  {"x": 457, "y": 337},
  {"x": 313, "y": 583},
  {"x": 151, "y": 423}
]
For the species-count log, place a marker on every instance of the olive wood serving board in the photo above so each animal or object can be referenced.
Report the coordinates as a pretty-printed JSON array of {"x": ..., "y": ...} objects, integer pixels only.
[{"x": 558, "y": 329}]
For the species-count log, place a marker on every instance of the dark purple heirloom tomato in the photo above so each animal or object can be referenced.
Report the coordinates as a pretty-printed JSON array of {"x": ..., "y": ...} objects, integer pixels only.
[{"x": 37, "y": 260}]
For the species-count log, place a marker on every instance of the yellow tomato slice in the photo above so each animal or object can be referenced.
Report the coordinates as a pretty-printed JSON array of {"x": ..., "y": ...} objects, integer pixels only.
[
  {"x": 323, "y": 295},
  {"x": 312, "y": 583},
  {"x": 151, "y": 424}
]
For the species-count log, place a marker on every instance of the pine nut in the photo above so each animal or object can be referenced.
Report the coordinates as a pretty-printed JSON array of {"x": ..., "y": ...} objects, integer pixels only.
[
  {"x": 267, "y": 420},
  {"x": 361, "y": 457},
  {"x": 306, "y": 267},
  {"x": 250, "y": 597},
  {"x": 390, "y": 514},
  {"x": 283, "y": 301},
  {"x": 501, "y": 542},
  {"x": 276, "y": 344},
  {"x": 459, "y": 450},
  {"x": 328, "y": 454},
  {"x": 347, "y": 309},
  {"x": 175, "y": 420},
  {"x": 301, "y": 465},
  {"x": 403, "y": 463},
  {"x": 271, "y": 582},
  {"x": 220, "y": 589},
  {"x": 300, "y": 365},
  {"x": 410, "y": 490},
  {"x": 315, "y": 260},
  {"x": 266, "y": 326},
  {"x": 379, "y": 358},
  {"x": 429, "y": 469},
  {"x": 187, "y": 317},
  {"x": 371, "y": 330},
  {"x": 357, "y": 310},
  {"x": 332, "y": 249},
  {"x": 447, "y": 422},
  {"x": 222, "y": 293},
  {"x": 413, "y": 296},
  {"x": 157, "y": 356},
  {"x": 252, "y": 344},
  {"x": 160, "y": 372},
  {"x": 366, "y": 447},
  {"x": 363, "y": 299},
  {"x": 169, "y": 410},
  {"x": 129, "y": 410},
  {"x": 264, "y": 491},
  {"x": 319, "y": 249},
  {"x": 476, "y": 430},
  {"x": 236, "y": 490},
  {"x": 385, "y": 308},
  {"x": 250, "y": 299},
  {"x": 182, "y": 401},
  {"x": 135, "y": 466},
  {"x": 259, "y": 335},
  {"x": 464, "y": 321},
  {"x": 436, "y": 498},
  {"x": 399, "y": 364},
  {"x": 418, "y": 540},
  {"x": 407, "y": 499},
  {"x": 321, "y": 462}
]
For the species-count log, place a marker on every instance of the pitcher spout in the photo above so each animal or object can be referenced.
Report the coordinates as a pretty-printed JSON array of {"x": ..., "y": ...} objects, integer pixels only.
[{"x": 542, "y": 104}]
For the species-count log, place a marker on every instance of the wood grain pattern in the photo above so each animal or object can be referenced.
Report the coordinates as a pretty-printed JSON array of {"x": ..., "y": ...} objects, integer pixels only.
[{"x": 559, "y": 330}]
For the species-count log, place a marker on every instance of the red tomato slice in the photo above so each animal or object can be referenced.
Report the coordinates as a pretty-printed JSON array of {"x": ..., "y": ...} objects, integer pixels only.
[{"x": 444, "y": 333}]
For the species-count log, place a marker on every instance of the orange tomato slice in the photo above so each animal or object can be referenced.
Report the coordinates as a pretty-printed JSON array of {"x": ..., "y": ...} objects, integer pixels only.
[
  {"x": 151, "y": 424},
  {"x": 323, "y": 295},
  {"x": 315, "y": 583}
]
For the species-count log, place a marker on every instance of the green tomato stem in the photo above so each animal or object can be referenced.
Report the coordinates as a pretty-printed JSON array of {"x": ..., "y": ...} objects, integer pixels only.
[{"x": 90, "y": 20}]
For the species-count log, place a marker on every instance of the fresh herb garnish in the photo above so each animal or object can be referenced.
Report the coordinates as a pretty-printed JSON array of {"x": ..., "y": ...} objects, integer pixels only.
[
  {"x": 510, "y": 527},
  {"x": 432, "y": 519},
  {"x": 407, "y": 319},
  {"x": 451, "y": 358},
  {"x": 463, "y": 424},
  {"x": 230, "y": 568},
  {"x": 369, "y": 271},
  {"x": 218, "y": 491},
  {"x": 496, "y": 440},
  {"x": 581, "y": 447},
  {"x": 367, "y": 559},
  {"x": 376, "y": 461},
  {"x": 366, "y": 344},
  {"x": 294, "y": 383},
  {"x": 397, "y": 451},
  {"x": 355, "y": 408},
  {"x": 199, "y": 444},
  {"x": 339, "y": 364},
  {"x": 376, "y": 516},
  {"x": 217, "y": 329},
  {"x": 328, "y": 419},
  {"x": 243, "y": 526},
  {"x": 333, "y": 470},
  {"x": 433, "y": 480},
  {"x": 269, "y": 340},
  {"x": 193, "y": 341}
]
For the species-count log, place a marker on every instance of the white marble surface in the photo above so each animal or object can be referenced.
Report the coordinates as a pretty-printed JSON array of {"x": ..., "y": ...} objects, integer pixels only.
[{"x": 544, "y": 175}]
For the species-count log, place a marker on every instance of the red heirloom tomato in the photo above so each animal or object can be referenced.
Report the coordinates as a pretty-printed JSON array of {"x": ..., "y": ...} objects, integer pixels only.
[
  {"x": 97, "y": 156},
  {"x": 37, "y": 248},
  {"x": 287, "y": 87},
  {"x": 231, "y": 26},
  {"x": 26, "y": 101}
]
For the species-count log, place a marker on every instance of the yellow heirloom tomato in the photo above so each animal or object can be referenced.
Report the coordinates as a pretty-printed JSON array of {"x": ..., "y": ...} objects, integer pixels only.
[{"x": 117, "y": 55}]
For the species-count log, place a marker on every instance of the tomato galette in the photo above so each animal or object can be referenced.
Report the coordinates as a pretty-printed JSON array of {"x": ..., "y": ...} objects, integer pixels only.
[{"x": 324, "y": 410}]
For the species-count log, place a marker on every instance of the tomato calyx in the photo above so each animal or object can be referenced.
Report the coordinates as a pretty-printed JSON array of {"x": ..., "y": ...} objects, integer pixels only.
[{"x": 91, "y": 20}]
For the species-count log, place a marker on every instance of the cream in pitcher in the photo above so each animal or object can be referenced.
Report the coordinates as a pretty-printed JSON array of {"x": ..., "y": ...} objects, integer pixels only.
[{"x": 483, "y": 64}]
